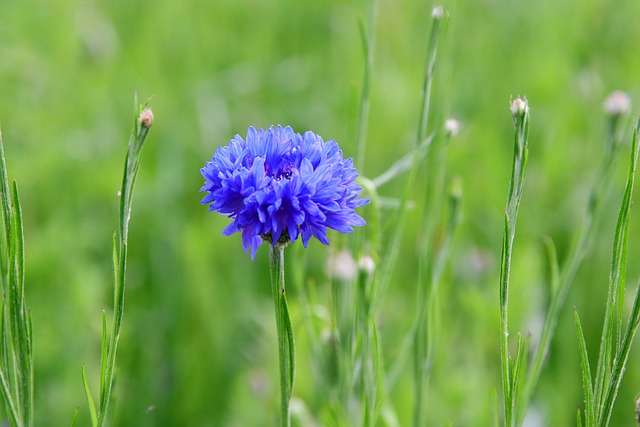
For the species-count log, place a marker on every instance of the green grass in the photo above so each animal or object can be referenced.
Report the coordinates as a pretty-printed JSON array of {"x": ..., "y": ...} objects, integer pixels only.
[{"x": 198, "y": 340}]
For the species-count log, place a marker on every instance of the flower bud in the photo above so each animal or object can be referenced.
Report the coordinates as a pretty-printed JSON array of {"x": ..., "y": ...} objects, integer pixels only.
[
  {"x": 452, "y": 128},
  {"x": 366, "y": 265},
  {"x": 618, "y": 103},
  {"x": 146, "y": 118},
  {"x": 342, "y": 266},
  {"x": 519, "y": 107},
  {"x": 437, "y": 12}
]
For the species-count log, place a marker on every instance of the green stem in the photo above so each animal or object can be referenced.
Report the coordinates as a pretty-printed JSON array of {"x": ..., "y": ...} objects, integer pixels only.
[
  {"x": 139, "y": 134},
  {"x": 368, "y": 39},
  {"x": 612, "y": 358},
  {"x": 520, "y": 112},
  {"x": 16, "y": 358},
  {"x": 582, "y": 243},
  {"x": 286, "y": 346},
  {"x": 388, "y": 262}
]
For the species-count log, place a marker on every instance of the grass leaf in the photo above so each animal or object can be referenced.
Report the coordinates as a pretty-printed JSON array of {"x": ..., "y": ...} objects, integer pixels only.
[
  {"x": 587, "y": 384},
  {"x": 87, "y": 392}
]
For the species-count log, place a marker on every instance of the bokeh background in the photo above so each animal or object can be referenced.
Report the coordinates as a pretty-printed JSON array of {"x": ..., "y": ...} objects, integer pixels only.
[{"x": 198, "y": 344}]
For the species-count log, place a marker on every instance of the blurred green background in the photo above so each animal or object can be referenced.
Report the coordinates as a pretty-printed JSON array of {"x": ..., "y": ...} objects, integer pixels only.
[{"x": 198, "y": 345}]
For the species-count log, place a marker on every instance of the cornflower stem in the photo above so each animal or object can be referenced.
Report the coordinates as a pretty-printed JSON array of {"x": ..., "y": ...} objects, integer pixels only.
[
  {"x": 520, "y": 111},
  {"x": 16, "y": 352},
  {"x": 433, "y": 253},
  {"x": 343, "y": 326},
  {"x": 368, "y": 355},
  {"x": 286, "y": 345},
  {"x": 423, "y": 147},
  {"x": 142, "y": 123},
  {"x": 368, "y": 38},
  {"x": 389, "y": 260},
  {"x": 583, "y": 241}
]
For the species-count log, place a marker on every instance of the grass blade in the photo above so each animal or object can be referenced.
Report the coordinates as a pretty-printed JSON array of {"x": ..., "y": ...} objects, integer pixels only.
[
  {"x": 616, "y": 281},
  {"x": 587, "y": 385},
  {"x": 368, "y": 39},
  {"x": 87, "y": 392},
  {"x": 619, "y": 261},
  {"x": 582, "y": 242},
  {"x": 620, "y": 362}
]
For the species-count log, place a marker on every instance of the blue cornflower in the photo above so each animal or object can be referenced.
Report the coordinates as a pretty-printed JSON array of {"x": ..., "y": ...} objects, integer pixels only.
[{"x": 277, "y": 185}]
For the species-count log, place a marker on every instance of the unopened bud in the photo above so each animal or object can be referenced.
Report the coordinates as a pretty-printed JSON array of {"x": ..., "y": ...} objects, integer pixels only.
[
  {"x": 342, "y": 266},
  {"x": 146, "y": 118},
  {"x": 618, "y": 103},
  {"x": 437, "y": 12},
  {"x": 519, "y": 107},
  {"x": 366, "y": 265},
  {"x": 452, "y": 127}
]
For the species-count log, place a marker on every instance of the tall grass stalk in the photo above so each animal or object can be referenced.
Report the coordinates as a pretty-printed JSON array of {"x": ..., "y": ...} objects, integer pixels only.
[
  {"x": 423, "y": 147},
  {"x": 433, "y": 250},
  {"x": 142, "y": 121},
  {"x": 16, "y": 352},
  {"x": 367, "y": 329},
  {"x": 614, "y": 344},
  {"x": 582, "y": 243},
  {"x": 365, "y": 348},
  {"x": 368, "y": 36},
  {"x": 389, "y": 259},
  {"x": 510, "y": 369}
]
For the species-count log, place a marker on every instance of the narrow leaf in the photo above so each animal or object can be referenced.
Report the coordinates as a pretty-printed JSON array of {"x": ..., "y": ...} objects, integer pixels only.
[
  {"x": 290, "y": 341},
  {"x": 4, "y": 192},
  {"x": 552, "y": 265},
  {"x": 10, "y": 406},
  {"x": 75, "y": 417},
  {"x": 620, "y": 362},
  {"x": 587, "y": 385},
  {"x": 103, "y": 352},
  {"x": 92, "y": 406},
  {"x": 606, "y": 376},
  {"x": 579, "y": 418}
]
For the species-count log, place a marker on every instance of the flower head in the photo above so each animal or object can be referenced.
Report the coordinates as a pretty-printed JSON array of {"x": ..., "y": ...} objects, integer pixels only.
[{"x": 277, "y": 185}]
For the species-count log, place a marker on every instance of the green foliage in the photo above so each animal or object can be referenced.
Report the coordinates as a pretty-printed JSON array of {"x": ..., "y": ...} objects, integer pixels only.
[
  {"x": 197, "y": 345},
  {"x": 614, "y": 346},
  {"x": 16, "y": 354},
  {"x": 511, "y": 368}
]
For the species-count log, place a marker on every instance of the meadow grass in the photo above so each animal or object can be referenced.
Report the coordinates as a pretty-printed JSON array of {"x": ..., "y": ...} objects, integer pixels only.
[{"x": 397, "y": 323}]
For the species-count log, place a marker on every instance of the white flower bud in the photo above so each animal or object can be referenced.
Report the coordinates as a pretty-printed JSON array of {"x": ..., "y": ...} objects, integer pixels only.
[
  {"x": 618, "y": 103},
  {"x": 437, "y": 12},
  {"x": 519, "y": 107},
  {"x": 342, "y": 266},
  {"x": 366, "y": 265},
  {"x": 452, "y": 127},
  {"x": 146, "y": 118}
]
